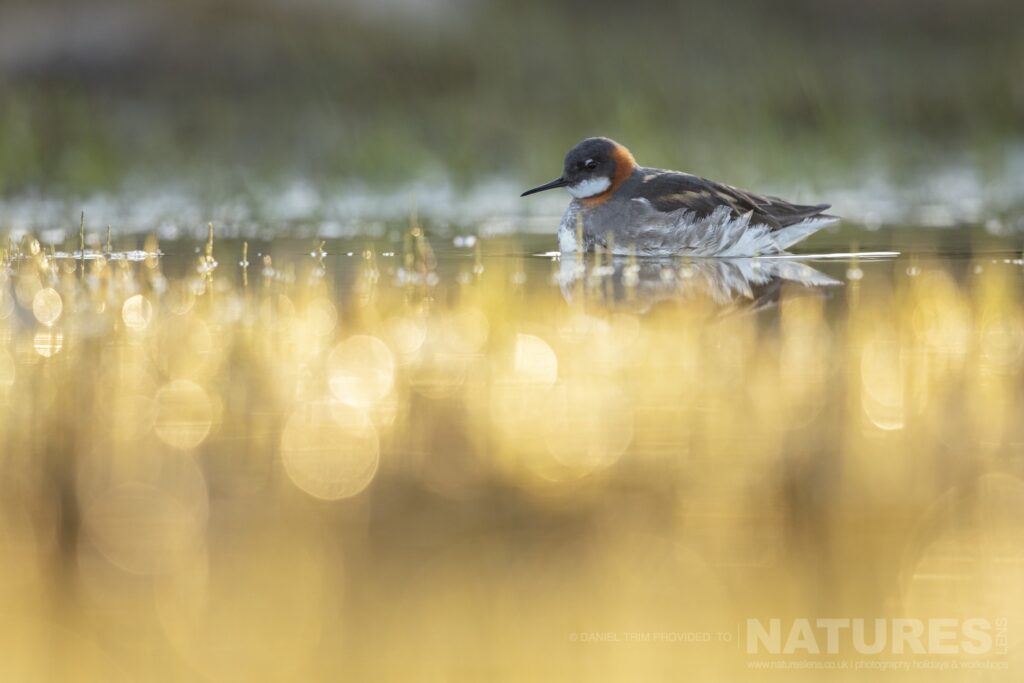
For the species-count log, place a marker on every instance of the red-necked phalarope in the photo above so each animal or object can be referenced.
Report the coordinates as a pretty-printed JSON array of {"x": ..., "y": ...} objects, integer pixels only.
[{"x": 627, "y": 208}]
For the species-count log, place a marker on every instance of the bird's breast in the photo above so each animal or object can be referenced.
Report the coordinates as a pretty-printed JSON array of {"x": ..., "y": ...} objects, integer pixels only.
[{"x": 584, "y": 225}]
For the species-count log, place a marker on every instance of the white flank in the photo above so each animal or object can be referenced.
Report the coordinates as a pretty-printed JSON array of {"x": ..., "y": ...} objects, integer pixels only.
[
  {"x": 719, "y": 234},
  {"x": 589, "y": 187},
  {"x": 566, "y": 241},
  {"x": 645, "y": 231}
]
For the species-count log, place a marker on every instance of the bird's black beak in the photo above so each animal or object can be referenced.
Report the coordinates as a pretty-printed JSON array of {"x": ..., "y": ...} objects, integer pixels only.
[{"x": 557, "y": 182}]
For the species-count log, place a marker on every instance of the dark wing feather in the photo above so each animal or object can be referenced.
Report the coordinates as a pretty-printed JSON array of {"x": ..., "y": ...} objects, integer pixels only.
[{"x": 670, "y": 191}]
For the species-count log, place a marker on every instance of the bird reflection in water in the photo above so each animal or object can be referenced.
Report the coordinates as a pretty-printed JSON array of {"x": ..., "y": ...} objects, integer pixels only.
[{"x": 730, "y": 284}]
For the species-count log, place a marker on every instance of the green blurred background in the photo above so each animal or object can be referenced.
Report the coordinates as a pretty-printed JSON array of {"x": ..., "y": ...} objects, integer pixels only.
[{"x": 225, "y": 93}]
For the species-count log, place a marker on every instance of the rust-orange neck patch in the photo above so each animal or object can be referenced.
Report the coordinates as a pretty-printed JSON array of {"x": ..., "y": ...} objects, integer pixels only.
[{"x": 624, "y": 167}]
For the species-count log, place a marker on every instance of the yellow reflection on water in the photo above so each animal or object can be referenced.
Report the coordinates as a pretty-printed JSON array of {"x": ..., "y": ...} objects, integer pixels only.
[{"x": 385, "y": 467}]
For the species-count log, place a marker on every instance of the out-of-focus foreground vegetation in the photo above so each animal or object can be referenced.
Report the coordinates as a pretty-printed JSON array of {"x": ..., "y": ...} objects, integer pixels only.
[
  {"x": 387, "y": 466},
  {"x": 225, "y": 92}
]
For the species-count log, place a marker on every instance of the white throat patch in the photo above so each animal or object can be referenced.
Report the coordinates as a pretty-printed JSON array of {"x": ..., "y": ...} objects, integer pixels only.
[{"x": 589, "y": 187}]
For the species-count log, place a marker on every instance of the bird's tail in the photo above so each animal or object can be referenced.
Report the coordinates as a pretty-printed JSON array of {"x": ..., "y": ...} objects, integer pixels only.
[{"x": 791, "y": 234}]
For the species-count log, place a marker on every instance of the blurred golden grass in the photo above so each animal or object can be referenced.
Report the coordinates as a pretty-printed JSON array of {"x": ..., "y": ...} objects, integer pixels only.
[{"x": 439, "y": 468}]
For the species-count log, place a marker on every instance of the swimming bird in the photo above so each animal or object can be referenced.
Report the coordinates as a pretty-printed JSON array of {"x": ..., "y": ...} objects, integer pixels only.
[{"x": 625, "y": 208}]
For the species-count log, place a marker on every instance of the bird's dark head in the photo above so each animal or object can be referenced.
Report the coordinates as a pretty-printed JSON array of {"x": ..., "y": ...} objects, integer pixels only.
[{"x": 594, "y": 167}]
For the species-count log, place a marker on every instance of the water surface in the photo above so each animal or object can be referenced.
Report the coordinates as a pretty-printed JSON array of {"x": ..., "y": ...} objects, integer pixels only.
[{"x": 466, "y": 458}]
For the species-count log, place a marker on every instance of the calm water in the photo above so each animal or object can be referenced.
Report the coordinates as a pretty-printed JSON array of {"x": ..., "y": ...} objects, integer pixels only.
[{"x": 431, "y": 459}]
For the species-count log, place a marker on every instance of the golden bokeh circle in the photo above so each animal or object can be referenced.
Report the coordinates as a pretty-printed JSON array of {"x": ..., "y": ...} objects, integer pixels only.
[
  {"x": 330, "y": 450},
  {"x": 144, "y": 528},
  {"x": 361, "y": 371},
  {"x": 47, "y": 306},
  {"x": 48, "y": 342},
  {"x": 588, "y": 425},
  {"x": 406, "y": 334},
  {"x": 534, "y": 361},
  {"x": 466, "y": 330},
  {"x": 137, "y": 312},
  {"x": 183, "y": 414}
]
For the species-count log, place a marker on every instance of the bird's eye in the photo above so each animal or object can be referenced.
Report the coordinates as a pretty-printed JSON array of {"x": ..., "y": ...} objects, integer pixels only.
[{"x": 590, "y": 164}]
